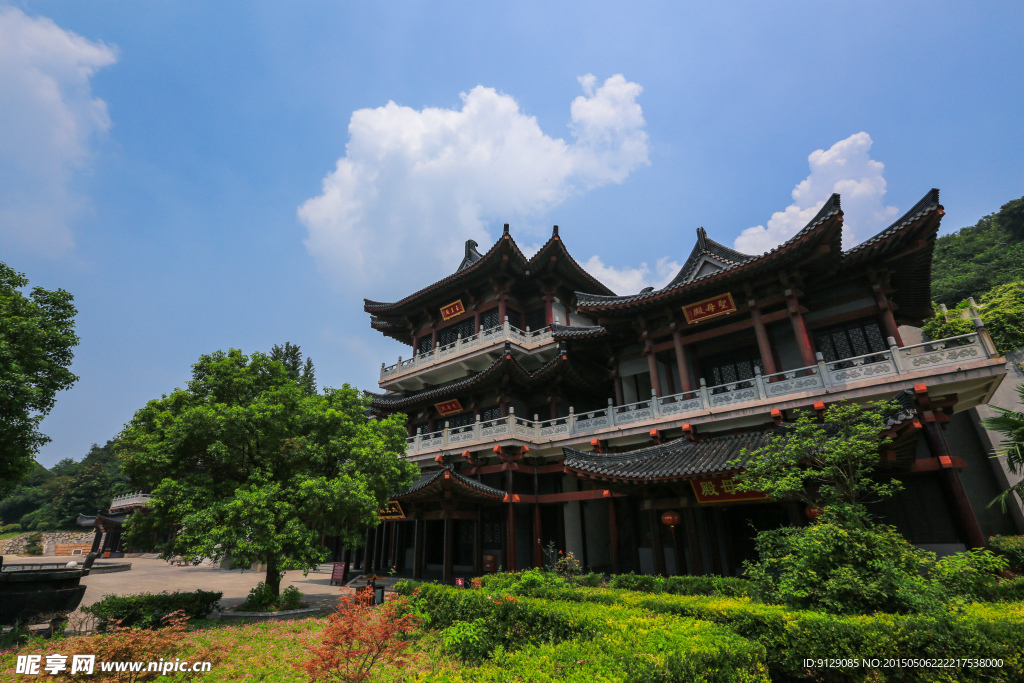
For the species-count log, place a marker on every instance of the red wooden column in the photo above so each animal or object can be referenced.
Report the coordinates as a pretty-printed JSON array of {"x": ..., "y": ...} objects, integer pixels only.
[
  {"x": 652, "y": 367},
  {"x": 888, "y": 320},
  {"x": 392, "y": 542},
  {"x": 538, "y": 549},
  {"x": 656, "y": 545},
  {"x": 417, "y": 549},
  {"x": 510, "y": 527},
  {"x": 433, "y": 339},
  {"x": 693, "y": 542},
  {"x": 613, "y": 537},
  {"x": 619, "y": 400},
  {"x": 478, "y": 542},
  {"x": 763, "y": 345},
  {"x": 554, "y": 407},
  {"x": 476, "y": 320},
  {"x": 449, "y": 551},
  {"x": 371, "y": 536},
  {"x": 502, "y": 309},
  {"x": 549, "y": 315},
  {"x": 968, "y": 523},
  {"x": 803, "y": 339},
  {"x": 682, "y": 361}
]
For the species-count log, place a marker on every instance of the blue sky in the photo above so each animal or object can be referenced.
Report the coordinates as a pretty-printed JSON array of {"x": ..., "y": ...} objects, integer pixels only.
[{"x": 211, "y": 175}]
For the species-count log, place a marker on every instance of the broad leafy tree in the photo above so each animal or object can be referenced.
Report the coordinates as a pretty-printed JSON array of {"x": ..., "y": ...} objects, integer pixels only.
[
  {"x": 251, "y": 463},
  {"x": 37, "y": 338},
  {"x": 842, "y": 562}
]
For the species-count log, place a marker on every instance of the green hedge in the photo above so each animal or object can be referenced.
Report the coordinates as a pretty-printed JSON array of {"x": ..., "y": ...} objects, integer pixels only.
[
  {"x": 980, "y": 631},
  {"x": 147, "y": 610},
  {"x": 543, "y": 640},
  {"x": 683, "y": 585},
  {"x": 1010, "y": 547}
]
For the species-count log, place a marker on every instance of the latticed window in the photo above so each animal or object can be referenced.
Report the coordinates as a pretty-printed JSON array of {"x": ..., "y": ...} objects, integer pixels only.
[
  {"x": 492, "y": 413},
  {"x": 849, "y": 340},
  {"x": 536, "y": 319},
  {"x": 451, "y": 333},
  {"x": 515, "y": 319},
  {"x": 490, "y": 319},
  {"x": 424, "y": 343},
  {"x": 460, "y": 420},
  {"x": 733, "y": 367}
]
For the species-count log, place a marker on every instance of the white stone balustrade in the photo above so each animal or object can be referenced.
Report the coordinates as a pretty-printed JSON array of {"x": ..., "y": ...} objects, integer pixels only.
[
  {"x": 895, "y": 361},
  {"x": 130, "y": 500},
  {"x": 528, "y": 339}
]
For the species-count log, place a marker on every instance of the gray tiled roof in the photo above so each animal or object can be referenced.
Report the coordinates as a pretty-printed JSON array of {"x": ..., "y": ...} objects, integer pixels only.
[
  {"x": 430, "y": 480},
  {"x": 831, "y": 208},
  {"x": 679, "y": 458},
  {"x": 707, "y": 247}
]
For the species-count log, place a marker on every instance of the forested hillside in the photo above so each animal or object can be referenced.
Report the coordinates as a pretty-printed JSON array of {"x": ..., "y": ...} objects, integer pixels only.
[
  {"x": 52, "y": 499},
  {"x": 973, "y": 260}
]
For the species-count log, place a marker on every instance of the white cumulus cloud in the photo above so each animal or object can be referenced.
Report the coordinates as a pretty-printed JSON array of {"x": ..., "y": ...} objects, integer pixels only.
[
  {"x": 48, "y": 119},
  {"x": 631, "y": 280},
  {"x": 415, "y": 184},
  {"x": 846, "y": 168}
]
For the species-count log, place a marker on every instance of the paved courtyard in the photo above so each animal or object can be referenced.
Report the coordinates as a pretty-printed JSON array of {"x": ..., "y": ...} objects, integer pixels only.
[{"x": 153, "y": 576}]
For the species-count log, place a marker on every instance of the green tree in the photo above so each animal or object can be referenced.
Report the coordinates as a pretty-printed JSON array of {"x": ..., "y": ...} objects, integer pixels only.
[
  {"x": 1002, "y": 309},
  {"x": 829, "y": 464},
  {"x": 290, "y": 355},
  {"x": 842, "y": 562},
  {"x": 37, "y": 336},
  {"x": 1010, "y": 423},
  {"x": 246, "y": 463}
]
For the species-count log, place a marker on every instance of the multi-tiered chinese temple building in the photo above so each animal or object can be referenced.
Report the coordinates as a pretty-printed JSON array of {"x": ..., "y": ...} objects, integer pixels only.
[{"x": 544, "y": 410}]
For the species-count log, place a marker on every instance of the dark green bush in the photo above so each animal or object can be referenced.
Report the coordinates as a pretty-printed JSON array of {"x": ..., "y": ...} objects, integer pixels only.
[
  {"x": 291, "y": 598},
  {"x": 543, "y": 640},
  {"x": 590, "y": 580},
  {"x": 147, "y": 610},
  {"x": 8, "y": 528},
  {"x": 728, "y": 586},
  {"x": 1010, "y": 547},
  {"x": 971, "y": 575},
  {"x": 638, "y": 582}
]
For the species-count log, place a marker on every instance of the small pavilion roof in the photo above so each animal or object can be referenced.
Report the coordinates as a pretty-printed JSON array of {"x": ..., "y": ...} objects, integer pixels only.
[
  {"x": 446, "y": 482},
  {"x": 505, "y": 367},
  {"x": 103, "y": 519},
  {"x": 708, "y": 252},
  {"x": 505, "y": 255}
]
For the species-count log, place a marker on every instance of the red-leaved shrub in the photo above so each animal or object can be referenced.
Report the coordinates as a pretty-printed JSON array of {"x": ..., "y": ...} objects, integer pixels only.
[{"x": 359, "y": 637}]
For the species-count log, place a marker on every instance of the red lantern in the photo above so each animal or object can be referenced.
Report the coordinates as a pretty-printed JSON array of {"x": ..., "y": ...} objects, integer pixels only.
[
  {"x": 813, "y": 511},
  {"x": 671, "y": 519}
]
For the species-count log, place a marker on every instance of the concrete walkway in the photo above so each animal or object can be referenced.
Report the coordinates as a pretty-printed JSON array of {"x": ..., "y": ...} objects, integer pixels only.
[{"x": 154, "y": 576}]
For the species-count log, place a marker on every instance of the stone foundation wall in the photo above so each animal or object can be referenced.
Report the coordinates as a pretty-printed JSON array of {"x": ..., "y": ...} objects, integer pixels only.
[{"x": 16, "y": 545}]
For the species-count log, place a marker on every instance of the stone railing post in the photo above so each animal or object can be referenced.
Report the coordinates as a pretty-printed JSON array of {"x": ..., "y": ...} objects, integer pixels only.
[
  {"x": 655, "y": 404},
  {"x": 506, "y": 328},
  {"x": 759, "y": 383},
  {"x": 987, "y": 342},
  {"x": 571, "y": 421},
  {"x": 476, "y": 428},
  {"x": 611, "y": 412},
  {"x": 536, "y": 426},
  {"x": 704, "y": 399},
  {"x": 416, "y": 440},
  {"x": 458, "y": 343},
  {"x": 823, "y": 369},
  {"x": 382, "y": 367},
  {"x": 444, "y": 436},
  {"x": 511, "y": 415},
  {"x": 894, "y": 349}
]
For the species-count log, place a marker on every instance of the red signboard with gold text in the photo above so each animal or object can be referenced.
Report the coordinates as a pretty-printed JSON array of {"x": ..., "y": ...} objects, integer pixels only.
[
  {"x": 449, "y": 407},
  {"x": 709, "y": 308},
  {"x": 452, "y": 310},
  {"x": 721, "y": 490}
]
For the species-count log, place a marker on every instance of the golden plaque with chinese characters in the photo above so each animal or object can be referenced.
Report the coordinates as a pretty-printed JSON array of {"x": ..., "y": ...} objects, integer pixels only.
[
  {"x": 722, "y": 490},
  {"x": 709, "y": 308}
]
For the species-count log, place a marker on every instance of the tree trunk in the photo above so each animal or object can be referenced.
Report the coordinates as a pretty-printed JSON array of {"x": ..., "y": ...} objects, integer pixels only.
[{"x": 273, "y": 579}]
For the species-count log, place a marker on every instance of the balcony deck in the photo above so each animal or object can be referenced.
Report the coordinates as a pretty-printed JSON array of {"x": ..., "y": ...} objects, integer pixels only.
[
  {"x": 964, "y": 365},
  {"x": 462, "y": 351}
]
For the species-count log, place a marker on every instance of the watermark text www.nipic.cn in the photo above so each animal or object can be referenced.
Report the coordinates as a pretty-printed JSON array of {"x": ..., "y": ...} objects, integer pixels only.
[
  {"x": 903, "y": 663},
  {"x": 37, "y": 665}
]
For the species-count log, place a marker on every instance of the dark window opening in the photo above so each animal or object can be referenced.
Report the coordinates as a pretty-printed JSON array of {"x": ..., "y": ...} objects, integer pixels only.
[
  {"x": 490, "y": 319},
  {"x": 537, "y": 319},
  {"x": 492, "y": 413},
  {"x": 451, "y": 333},
  {"x": 849, "y": 340},
  {"x": 737, "y": 366},
  {"x": 425, "y": 343}
]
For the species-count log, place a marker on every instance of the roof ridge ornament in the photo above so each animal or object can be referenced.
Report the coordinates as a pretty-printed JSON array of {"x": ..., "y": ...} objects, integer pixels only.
[
  {"x": 554, "y": 232},
  {"x": 702, "y": 239},
  {"x": 505, "y": 232}
]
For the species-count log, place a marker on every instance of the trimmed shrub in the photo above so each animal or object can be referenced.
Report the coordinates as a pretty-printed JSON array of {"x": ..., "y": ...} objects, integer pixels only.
[
  {"x": 544, "y": 640},
  {"x": 147, "y": 610},
  {"x": 1010, "y": 547},
  {"x": 728, "y": 586},
  {"x": 790, "y": 636},
  {"x": 291, "y": 598},
  {"x": 8, "y": 528},
  {"x": 590, "y": 580},
  {"x": 638, "y": 582}
]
